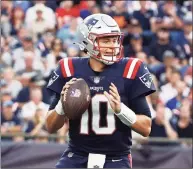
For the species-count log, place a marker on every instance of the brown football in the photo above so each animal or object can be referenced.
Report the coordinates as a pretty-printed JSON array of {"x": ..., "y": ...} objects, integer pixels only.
[{"x": 76, "y": 99}]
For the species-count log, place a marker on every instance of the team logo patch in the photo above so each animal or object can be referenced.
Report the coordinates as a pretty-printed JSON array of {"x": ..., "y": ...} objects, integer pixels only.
[
  {"x": 91, "y": 22},
  {"x": 53, "y": 78},
  {"x": 75, "y": 93},
  {"x": 146, "y": 79}
]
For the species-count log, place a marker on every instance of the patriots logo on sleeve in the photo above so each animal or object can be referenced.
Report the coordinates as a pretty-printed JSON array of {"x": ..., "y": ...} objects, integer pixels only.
[
  {"x": 146, "y": 79},
  {"x": 53, "y": 78},
  {"x": 91, "y": 22}
]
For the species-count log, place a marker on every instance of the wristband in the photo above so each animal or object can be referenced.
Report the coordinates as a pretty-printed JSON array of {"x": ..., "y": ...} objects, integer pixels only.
[
  {"x": 59, "y": 108},
  {"x": 127, "y": 116}
]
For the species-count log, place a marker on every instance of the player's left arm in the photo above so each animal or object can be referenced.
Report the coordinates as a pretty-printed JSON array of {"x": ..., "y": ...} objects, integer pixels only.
[{"x": 137, "y": 116}]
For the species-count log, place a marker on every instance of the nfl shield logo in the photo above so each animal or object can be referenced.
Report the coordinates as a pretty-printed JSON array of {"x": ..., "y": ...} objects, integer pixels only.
[
  {"x": 96, "y": 79},
  {"x": 75, "y": 93}
]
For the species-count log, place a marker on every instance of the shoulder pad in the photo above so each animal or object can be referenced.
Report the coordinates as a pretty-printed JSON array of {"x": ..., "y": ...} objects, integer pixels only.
[
  {"x": 67, "y": 67},
  {"x": 131, "y": 68}
]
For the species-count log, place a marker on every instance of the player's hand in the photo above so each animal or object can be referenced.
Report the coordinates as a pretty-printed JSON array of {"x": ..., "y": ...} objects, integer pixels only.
[
  {"x": 59, "y": 106},
  {"x": 114, "y": 98},
  {"x": 67, "y": 85}
]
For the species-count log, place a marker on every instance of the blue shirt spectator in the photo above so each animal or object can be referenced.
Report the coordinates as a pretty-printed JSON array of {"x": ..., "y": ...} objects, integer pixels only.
[{"x": 144, "y": 15}]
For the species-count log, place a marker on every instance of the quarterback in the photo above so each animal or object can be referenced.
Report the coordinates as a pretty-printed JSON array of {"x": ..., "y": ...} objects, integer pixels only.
[{"x": 101, "y": 138}]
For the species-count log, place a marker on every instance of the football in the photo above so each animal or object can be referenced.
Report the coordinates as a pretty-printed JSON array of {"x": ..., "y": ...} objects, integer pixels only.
[{"x": 76, "y": 99}]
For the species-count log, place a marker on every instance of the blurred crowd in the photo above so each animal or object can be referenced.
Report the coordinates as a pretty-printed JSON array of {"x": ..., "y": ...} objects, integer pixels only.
[{"x": 37, "y": 34}]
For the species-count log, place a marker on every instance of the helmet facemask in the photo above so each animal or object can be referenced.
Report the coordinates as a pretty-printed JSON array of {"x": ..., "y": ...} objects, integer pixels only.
[{"x": 111, "y": 54}]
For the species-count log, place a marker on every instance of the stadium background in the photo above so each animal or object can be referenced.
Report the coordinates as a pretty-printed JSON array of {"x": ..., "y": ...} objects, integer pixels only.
[{"x": 36, "y": 35}]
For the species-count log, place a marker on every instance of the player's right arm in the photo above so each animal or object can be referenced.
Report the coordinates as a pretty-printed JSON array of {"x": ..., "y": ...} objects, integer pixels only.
[
  {"x": 58, "y": 83},
  {"x": 56, "y": 116}
]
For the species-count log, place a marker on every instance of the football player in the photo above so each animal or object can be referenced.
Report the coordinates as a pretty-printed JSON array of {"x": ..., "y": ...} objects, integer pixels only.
[{"x": 101, "y": 138}]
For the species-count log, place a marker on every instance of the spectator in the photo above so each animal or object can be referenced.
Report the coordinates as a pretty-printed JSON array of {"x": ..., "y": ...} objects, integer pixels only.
[
  {"x": 17, "y": 20},
  {"x": 17, "y": 40},
  {"x": 162, "y": 125},
  {"x": 168, "y": 62},
  {"x": 13, "y": 85},
  {"x": 6, "y": 9},
  {"x": 19, "y": 53},
  {"x": 36, "y": 81},
  {"x": 169, "y": 16},
  {"x": 35, "y": 127},
  {"x": 135, "y": 46},
  {"x": 66, "y": 12},
  {"x": 24, "y": 5},
  {"x": 55, "y": 54},
  {"x": 162, "y": 43},
  {"x": 135, "y": 5},
  {"x": 168, "y": 91},
  {"x": 10, "y": 122},
  {"x": 144, "y": 15},
  {"x": 47, "y": 14},
  {"x": 188, "y": 76},
  {"x": 39, "y": 25},
  {"x": 73, "y": 51},
  {"x": 183, "y": 121},
  {"x": 5, "y": 95},
  {"x": 29, "y": 109},
  {"x": 175, "y": 102},
  {"x": 6, "y": 57},
  {"x": 183, "y": 39},
  {"x": 88, "y": 10},
  {"x": 142, "y": 56},
  {"x": 120, "y": 14},
  {"x": 30, "y": 64},
  {"x": 45, "y": 43},
  {"x": 133, "y": 27},
  {"x": 68, "y": 33},
  {"x": 31, "y": 46}
]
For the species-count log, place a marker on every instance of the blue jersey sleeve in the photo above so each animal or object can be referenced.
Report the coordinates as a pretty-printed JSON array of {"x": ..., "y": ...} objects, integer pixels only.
[
  {"x": 62, "y": 74},
  {"x": 142, "y": 84},
  {"x": 56, "y": 81},
  {"x": 140, "y": 106}
]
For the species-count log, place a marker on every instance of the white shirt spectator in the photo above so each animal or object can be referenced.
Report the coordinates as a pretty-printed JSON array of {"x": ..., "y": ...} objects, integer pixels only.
[
  {"x": 19, "y": 63},
  {"x": 7, "y": 58},
  {"x": 50, "y": 58},
  {"x": 29, "y": 109},
  {"x": 167, "y": 92},
  {"x": 48, "y": 15},
  {"x": 15, "y": 86},
  {"x": 135, "y": 5},
  {"x": 19, "y": 54}
]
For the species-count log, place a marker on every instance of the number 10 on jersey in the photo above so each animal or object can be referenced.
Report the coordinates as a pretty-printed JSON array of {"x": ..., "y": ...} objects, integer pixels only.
[{"x": 96, "y": 116}]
